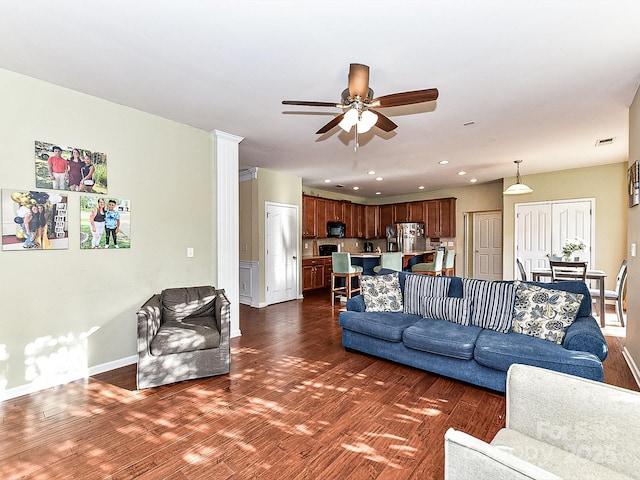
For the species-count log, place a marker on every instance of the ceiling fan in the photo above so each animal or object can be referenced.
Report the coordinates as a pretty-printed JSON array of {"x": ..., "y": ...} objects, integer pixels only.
[{"x": 358, "y": 104}]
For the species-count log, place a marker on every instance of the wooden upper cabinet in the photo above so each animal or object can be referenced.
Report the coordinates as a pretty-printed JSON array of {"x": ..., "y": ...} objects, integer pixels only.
[
  {"x": 417, "y": 212},
  {"x": 401, "y": 212},
  {"x": 359, "y": 220},
  {"x": 321, "y": 217},
  {"x": 335, "y": 211},
  {"x": 441, "y": 217},
  {"x": 386, "y": 217},
  {"x": 350, "y": 220},
  {"x": 309, "y": 225},
  {"x": 371, "y": 221}
]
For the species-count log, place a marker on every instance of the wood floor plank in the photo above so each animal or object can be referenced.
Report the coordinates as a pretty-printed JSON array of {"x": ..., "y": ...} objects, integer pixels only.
[{"x": 296, "y": 405}]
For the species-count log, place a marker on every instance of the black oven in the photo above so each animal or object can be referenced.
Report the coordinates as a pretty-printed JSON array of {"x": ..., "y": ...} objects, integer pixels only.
[{"x": 336, "y": 229}]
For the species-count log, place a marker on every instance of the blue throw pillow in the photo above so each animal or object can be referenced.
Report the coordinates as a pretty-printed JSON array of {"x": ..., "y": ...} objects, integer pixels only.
[
  {"x": 418, "y": 286},
  {"x": 451, "y": 309},
  {"x": 492, "y": 303}
]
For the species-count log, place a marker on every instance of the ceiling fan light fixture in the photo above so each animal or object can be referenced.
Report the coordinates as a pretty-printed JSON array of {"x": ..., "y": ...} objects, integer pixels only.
[
  {"x": 349, "y": 120},
  {"x": 517, "y": 188},
  {"x": 367, "y": 120}
]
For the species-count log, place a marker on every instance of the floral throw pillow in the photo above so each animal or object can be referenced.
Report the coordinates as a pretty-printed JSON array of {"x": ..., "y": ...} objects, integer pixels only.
[
  {"x": 543, "y": 312},
  {"x": 381, "y": 293}
]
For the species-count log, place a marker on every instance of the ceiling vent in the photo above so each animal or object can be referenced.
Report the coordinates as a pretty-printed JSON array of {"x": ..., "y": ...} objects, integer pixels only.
[
  {"x": 339, "y": 185},
  {"x": 605, "y": 141}
]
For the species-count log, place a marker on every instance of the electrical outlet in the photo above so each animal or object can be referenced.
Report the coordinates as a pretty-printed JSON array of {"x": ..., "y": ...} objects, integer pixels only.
[
  {"x": 356, "y": 244},
  {"x": 633, "y": 249},
  {"x": 306, "y": 245},
  {"x": 189, "y": 252}
]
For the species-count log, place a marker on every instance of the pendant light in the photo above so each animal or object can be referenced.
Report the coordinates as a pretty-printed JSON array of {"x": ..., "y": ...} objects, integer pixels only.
[{"x": 517, "y": 188}]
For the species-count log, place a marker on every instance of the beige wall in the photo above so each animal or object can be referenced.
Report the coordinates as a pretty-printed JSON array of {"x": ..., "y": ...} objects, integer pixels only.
[
  {"x": 605, "y": 183},
  {"x": 65, "y": 311},
  {"x": 632, "y": 343}
]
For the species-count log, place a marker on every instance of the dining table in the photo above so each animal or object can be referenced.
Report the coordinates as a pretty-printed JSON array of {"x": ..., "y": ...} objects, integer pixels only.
[{"x": 598, "y": 275}]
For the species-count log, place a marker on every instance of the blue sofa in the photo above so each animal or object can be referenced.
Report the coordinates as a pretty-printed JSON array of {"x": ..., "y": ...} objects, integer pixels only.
[{"x": 472, "y": 354}]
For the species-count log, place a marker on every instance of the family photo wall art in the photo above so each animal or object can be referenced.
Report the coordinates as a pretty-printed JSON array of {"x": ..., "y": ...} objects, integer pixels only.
[
  {"x": 33, "y": 220},
  {"x": 60, "y": 167},
  {"x": 104, "y": 222}
]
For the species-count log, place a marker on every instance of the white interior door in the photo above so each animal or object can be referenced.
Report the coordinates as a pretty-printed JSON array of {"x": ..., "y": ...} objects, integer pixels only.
[
  {"x": 487, "y": 244},
  {"x": 281, "y": 263},
  {"x": 542, "y": 228}
]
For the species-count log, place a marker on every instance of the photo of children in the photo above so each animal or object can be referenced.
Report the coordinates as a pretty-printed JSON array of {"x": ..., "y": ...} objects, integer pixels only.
[
  {"x": 33, "y": 220},
  {"x": 104, "y": 223},
  {"x": 59, "y": 167}
]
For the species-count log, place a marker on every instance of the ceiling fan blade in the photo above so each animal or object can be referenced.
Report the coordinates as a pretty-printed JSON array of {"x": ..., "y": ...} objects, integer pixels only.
[
  {"x": 384, "y": 123},
  {"x": 335, "y": 121},
  {"x": 310, "y": 104},
  {"x": 405, "y": 98},
  {"x": 358, "y": 80}
]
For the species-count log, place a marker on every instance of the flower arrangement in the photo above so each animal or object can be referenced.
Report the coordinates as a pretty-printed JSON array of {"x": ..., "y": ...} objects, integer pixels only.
[{"x": 572, "y": 245}]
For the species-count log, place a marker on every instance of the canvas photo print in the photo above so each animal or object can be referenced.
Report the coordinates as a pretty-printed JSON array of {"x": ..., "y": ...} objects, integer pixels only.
[
  {"x": 104, "y": 223},
  {"x": 34, "y": 220},
  {"x": 60, "y": 167}
]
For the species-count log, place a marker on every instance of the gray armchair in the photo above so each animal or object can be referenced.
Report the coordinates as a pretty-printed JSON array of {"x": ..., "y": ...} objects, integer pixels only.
[{"x": 183, "y": 333}]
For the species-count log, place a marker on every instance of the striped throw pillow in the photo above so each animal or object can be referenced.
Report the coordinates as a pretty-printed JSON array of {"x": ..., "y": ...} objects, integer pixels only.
[
  {"x": 451, "y": 309},
  {"x": 492, "y": 303},
  {"x": 418, "y": 286}
]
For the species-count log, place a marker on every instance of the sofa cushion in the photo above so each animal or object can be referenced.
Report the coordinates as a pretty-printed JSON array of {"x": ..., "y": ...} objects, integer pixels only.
[
  {"x": 384, "y": 325},
  {"x": 442, "y": 338},
  {"x": 492, "y": 303},
  {"x": 500, "y": 350},
  {"x": 194, "y": 333},
  {"x": 418, "y": 286},
  {"x": 456, "y": 310},
  {"x": 180, "y": 303},
  {"x": 543, "y": 312},
  {"x": 381, "y": 293}
]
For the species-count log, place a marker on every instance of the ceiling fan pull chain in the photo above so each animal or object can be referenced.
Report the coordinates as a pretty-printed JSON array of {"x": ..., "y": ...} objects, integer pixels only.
[{"x": 355, "y": 149}]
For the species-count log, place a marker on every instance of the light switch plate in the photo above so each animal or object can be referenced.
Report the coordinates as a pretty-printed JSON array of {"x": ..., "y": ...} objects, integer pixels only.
[{"x": 189, "y": 252}]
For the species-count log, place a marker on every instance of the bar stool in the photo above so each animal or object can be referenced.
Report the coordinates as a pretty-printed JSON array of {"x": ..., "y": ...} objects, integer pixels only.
[
  {"x": 431, "y": 268},
  {"x": 448, "y": 268},
  {"x": 342, "y": 268},
  {"x": 391, "y": 261}
]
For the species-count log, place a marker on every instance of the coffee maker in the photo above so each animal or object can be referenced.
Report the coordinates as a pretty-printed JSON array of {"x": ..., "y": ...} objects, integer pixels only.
[{"x": 368, "y": 247}]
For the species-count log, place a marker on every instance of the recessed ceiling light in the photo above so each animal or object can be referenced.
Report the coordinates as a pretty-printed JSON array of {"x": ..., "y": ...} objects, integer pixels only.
[
  {"x": 356, "y": 188},
  {"x": 473, "y": 180},
  {"x": 444, "y": 162},
  {"x": 462, "y": 172},
  {"x": 378, "y": 193},
  {"x": 371, "y": 172},
  {"x": 327, "y": 181},
  {"x": 421, "y": 187},
  {"x": 379, "y": 179}
]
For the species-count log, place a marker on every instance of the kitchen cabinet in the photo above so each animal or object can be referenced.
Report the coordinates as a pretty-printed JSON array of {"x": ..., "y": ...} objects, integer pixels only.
[
  {"x": 417, "y": 212},
  {"x": 309, "y": 224},
  {"x": 353, "y": 217},
  {"x": 358, "y": 220},
  {"x": 371, "y": 221},
  {"x": 321, "y": 218},
  {"x": 386, "y": 218},
  {"x": 401, "y": 212},
  {"x": 441, "y": 217},
  {"x": 334, "y": 211},
  {"x": 316, "y": 273}
]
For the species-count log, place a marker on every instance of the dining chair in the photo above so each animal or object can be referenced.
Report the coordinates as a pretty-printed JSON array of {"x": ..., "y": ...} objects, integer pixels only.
[
  {"x": 391, "y": 261},
  {"x": 617, "y": 294},
  {"x": 523, "y": 273},
  {"x": 341, "y": 268},
  {"x": 430, "y": 268},
  {"x": 563, "y": 271}
]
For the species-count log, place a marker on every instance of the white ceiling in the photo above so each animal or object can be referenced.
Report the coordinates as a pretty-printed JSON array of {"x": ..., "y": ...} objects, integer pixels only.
[{"x": 542, "y": 80}]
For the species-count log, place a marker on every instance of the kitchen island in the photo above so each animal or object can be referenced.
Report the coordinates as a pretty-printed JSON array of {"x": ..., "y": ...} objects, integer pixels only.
[{"x": 369, "y": 260}]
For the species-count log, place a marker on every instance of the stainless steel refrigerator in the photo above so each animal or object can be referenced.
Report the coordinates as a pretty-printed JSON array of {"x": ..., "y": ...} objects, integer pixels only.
[{"x": 406, "y": 237}]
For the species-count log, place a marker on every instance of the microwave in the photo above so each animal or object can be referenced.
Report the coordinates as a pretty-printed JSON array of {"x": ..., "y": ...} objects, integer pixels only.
[{"x": 336, "y": 229}]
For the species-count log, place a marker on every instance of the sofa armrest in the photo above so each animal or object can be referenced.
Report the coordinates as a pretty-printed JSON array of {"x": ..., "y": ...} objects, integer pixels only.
[
  {"x": 597, "y": 421},
  {"x": 356, "y": 304},
  {"x": 149, "y": 318},
  {"x": 222, "y": 315},
  {"x": 468, "y": 458},
  {"x": 584, "y": 335}
]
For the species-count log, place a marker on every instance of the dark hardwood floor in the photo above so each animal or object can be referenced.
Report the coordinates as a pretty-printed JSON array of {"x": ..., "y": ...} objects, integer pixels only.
[{"x": 295, "y": 406}]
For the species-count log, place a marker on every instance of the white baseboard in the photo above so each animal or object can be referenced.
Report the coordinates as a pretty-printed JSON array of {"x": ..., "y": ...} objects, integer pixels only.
[
  {"x": 31, "y": 388},
  {"x": 632, "y": 365}
]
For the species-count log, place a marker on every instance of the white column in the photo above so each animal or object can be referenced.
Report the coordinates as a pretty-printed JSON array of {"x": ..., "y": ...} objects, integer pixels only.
[{"x": 225, "y": 228}]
